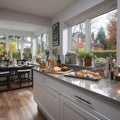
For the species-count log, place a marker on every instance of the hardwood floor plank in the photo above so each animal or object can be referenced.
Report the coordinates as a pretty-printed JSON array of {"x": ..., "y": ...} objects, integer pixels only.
[{"x": 19, "y": 105}]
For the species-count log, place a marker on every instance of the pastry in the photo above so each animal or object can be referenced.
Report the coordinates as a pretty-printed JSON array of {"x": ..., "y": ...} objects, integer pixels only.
[
  {"x": 57, "y": 69},
  {"x": 79, "y": 74},
  {"x": 64, "y": 68}
]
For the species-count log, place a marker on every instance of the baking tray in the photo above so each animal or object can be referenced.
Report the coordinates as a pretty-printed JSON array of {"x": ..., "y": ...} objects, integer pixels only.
[{"x": 86, "y": 78}]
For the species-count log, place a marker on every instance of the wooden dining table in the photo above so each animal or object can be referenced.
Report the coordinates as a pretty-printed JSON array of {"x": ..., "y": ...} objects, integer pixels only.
[
  {"x": 16, "y": 67},
  {"x": 13, "y": 69}
]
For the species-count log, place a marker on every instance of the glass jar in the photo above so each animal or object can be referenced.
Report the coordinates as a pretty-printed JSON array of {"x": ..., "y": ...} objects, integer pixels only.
[
  {"x": 52, "y": 62},
  {"x": 43, "y": 62},
  {"x": 117, "y": 73}
]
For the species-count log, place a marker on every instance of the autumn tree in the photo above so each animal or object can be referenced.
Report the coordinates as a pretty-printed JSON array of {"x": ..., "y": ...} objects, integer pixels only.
[
  {"x": 112, "y": 32},
  {"x": 101, "y": 36}
]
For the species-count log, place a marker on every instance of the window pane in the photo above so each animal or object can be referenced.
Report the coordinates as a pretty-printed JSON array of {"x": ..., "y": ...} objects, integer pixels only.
[
  {"x": 78, "y": 36},
  {"x": 10, "y": 37},
  {"x": 103, "y": 31},
  {"x": 27, "y": 39},
  {"x": 13, "y": 46},
  {"x": 2, "y": 37},
  {"x": 2, "y": 46},
  {"x": 17, "y": 38},
  {"x": 43, "y": 43}
]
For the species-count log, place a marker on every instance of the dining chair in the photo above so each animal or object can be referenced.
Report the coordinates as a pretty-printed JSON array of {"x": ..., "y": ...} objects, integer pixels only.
[
  {"x": 24, "y": 76},
  {"x": 4, "y": 79}
]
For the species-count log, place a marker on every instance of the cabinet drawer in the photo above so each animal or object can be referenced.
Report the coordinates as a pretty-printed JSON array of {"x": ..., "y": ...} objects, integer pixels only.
[{"x": 96, "y": 105}]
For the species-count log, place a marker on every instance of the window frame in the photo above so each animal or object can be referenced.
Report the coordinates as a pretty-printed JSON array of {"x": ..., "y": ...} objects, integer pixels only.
[{"x": 102, "y": 8}]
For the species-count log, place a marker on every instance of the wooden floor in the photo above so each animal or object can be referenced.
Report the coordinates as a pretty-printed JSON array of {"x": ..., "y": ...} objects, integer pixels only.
[{"x": 19, "y": 105}]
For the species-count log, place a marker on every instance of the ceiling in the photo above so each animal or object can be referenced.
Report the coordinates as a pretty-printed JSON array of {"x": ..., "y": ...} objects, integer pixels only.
[
  {"x": 43, "y": 8},
  {"x": 12, "y": 25},
  {"x": 46, "y": 8}
]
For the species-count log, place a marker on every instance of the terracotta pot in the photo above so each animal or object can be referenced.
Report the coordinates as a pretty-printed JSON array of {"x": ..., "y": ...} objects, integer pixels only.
[{"x": 87, "y": 61}]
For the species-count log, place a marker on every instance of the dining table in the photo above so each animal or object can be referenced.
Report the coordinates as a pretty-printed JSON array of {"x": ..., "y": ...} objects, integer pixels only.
[{"x": 13, "y": 69}]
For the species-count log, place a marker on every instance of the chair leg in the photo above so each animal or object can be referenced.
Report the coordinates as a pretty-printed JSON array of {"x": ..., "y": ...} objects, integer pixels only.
[
  {"x": 8, "y": 82},
  {"x": 19, "y": 77}
]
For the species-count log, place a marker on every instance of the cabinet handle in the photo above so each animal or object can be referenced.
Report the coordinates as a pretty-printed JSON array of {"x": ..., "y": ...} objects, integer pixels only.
[{"x": 82, "y": 99}]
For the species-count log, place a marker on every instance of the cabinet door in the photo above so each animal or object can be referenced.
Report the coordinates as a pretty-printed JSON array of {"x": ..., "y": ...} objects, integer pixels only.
[
  {"x": 71, "y": 111},
  {"x": 48, "y": 99}
]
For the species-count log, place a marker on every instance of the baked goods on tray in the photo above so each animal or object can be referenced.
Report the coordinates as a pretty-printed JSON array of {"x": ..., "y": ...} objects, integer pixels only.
[{"x": 85, "y": 74}]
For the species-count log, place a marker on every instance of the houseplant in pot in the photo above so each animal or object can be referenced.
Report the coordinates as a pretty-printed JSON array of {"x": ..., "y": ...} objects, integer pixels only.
[{"x": 84, "y": 57}]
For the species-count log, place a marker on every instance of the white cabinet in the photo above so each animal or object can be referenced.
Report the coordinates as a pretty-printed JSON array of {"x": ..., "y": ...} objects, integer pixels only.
[
  {"x": 71, "y": 111},
  {"x": 61, "y": 101},
  {"x": 47, "y": 99}
]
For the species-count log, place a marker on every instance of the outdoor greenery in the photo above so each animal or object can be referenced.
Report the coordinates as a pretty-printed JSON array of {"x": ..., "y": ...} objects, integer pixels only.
[
  {"x": 105, "y": 53},
  {"x": 16, "y": 55}
]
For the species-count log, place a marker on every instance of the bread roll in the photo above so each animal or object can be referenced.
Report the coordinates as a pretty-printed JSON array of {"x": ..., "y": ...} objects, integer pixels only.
[
  {"x": 79, "y": 74},
  {"x": 56, "y": 69}
]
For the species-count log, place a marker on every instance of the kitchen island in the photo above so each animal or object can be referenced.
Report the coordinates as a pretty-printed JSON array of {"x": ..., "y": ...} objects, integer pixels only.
[{"x": 63, "y": 98}]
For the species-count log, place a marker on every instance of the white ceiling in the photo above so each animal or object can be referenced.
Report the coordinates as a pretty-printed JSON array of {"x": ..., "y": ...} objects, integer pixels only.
[
  {"x": 43, "y": 8},
  {"x": 46, "y": 8},
  {"x": 12, "y": 25}
]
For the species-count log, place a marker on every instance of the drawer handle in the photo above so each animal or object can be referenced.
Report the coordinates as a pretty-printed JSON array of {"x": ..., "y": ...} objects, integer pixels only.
[{"x": 82, "y": 99}]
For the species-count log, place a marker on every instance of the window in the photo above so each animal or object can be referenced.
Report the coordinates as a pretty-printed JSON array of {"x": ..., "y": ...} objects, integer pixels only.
[
  {"x": 27, "y": 39},
  {"x": 13, "y": 47},
  {"x": 103, "y": 31},
  {"x": 65, "y": 40},
  {"x": 78, "y": 36},
  {"x": 2, "y": 37},
  {"x": 43, "y": 43}
]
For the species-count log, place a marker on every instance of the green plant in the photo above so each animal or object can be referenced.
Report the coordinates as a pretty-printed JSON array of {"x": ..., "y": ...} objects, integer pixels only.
[
  {"x": 82, "y": 53},
  {"x": 105, "y": 53}
]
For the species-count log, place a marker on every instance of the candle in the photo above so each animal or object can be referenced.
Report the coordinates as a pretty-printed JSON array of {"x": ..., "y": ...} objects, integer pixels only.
[{"x": 117, "y": 76}]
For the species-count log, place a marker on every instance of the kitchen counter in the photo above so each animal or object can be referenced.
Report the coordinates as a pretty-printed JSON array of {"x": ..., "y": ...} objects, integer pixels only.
[{"x": 104, "y": 88}]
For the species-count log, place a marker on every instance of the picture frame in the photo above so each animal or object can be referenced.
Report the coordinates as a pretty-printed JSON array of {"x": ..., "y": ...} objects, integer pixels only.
[{"x": 55, "y": 34}]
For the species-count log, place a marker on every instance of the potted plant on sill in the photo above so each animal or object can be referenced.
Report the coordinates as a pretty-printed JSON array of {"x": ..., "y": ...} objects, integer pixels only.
[{"x": 84, "y": 57}]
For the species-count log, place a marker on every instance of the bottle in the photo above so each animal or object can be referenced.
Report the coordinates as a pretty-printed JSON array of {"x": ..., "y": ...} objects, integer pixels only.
[
  {"x": 58, "y": 61},
  {"x": 106, "y": 70},
  {"x": 110, "y": 68}
]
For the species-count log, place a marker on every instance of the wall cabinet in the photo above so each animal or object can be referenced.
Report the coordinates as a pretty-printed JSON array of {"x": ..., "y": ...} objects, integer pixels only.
[{"x": 61, "y": 101}]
